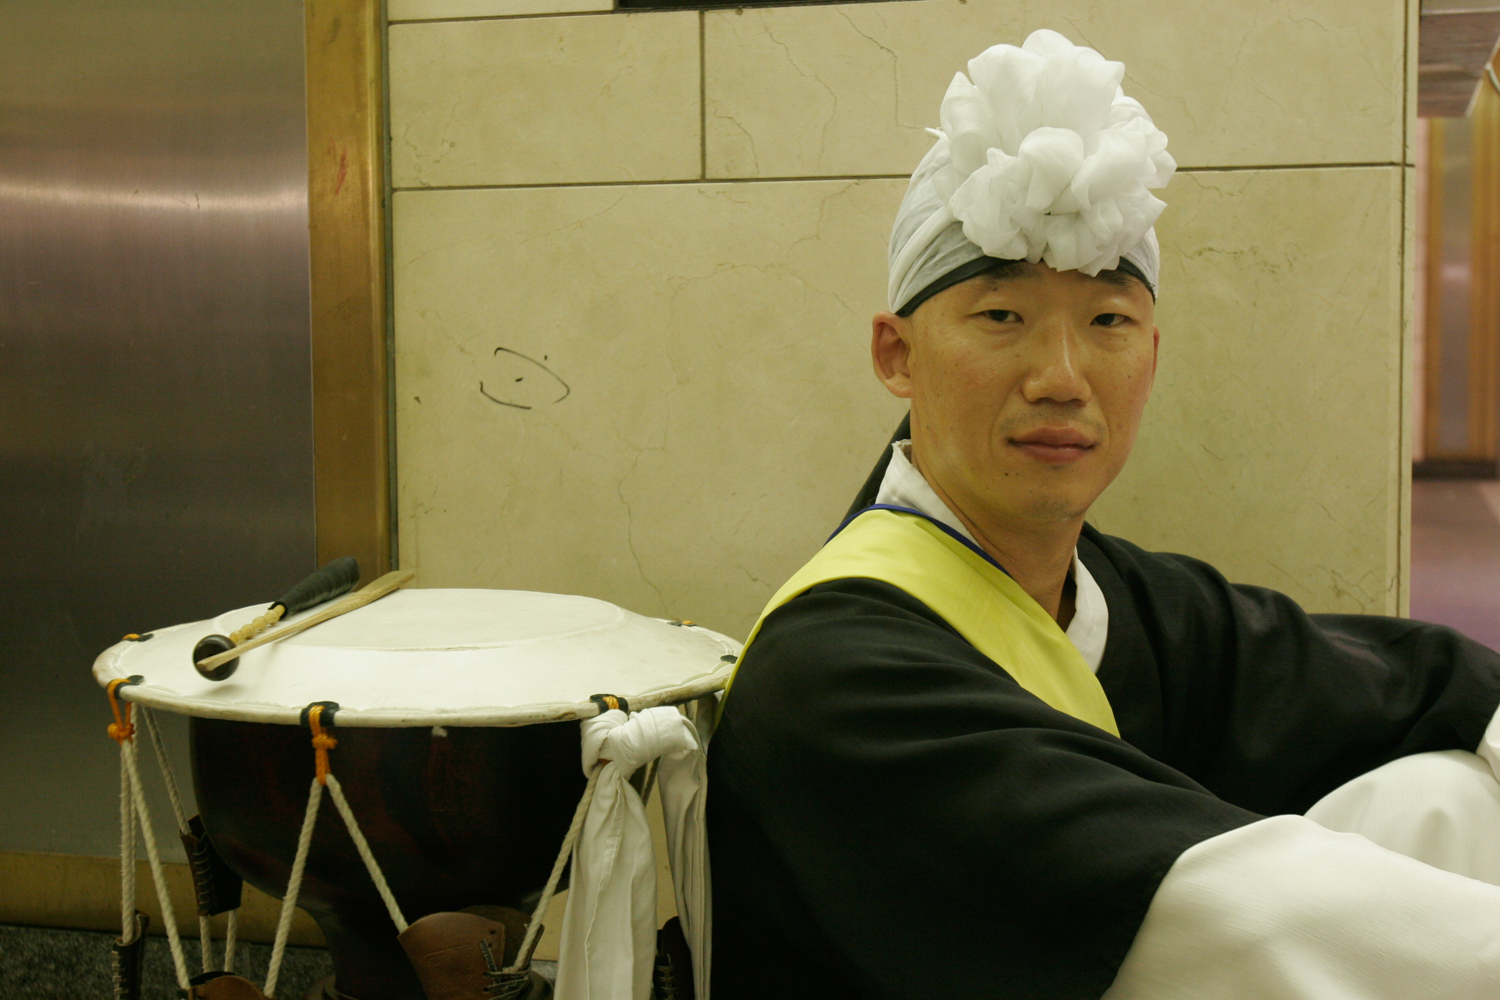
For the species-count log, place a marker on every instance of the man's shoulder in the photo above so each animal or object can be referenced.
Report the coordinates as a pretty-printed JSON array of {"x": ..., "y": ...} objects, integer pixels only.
[
  {"x": 1127, "y": 557},
  {"x": 847, "y": 631},
  {"x": 848, "y": 608},
  {"x": 1166, "y": 580}
]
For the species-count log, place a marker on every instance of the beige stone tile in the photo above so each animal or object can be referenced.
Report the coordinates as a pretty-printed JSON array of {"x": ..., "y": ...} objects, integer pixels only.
[
  {"x": 847, "y": 90},
  {"x": 437, "y": 10},
  {"x": 702, "y": 411},
  {"x": 712, "y": 411},
  {"x": 1413, "y": 21},
  {"x": 545, "y": 100},
  {"x": 1272, "y": 445}
]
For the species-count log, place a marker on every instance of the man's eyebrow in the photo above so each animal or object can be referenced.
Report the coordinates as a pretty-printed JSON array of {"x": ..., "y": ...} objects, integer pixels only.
[{"x": 1119, "y": 277}]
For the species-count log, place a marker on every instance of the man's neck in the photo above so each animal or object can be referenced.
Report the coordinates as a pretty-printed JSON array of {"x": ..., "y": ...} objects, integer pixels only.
[{"x": 1038, "y": 556}]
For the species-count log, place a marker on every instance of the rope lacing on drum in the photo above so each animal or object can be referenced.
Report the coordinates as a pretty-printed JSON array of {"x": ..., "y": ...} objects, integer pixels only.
[
  {"x": 319, "y": 716},
  {"x": 134, "y": 811},
  {"x": 135, "y": 815}
]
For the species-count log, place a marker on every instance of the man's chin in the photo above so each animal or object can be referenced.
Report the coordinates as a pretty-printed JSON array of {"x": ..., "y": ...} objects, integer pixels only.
[
  {"x": 1051, "y": 510},
  {"x": 1043, "y": 502}
]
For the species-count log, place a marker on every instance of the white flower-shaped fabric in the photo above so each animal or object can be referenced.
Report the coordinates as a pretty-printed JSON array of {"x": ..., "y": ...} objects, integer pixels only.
[
  {"x": 1050, "y": 160},
  {"x": 1041, "y": 157}
]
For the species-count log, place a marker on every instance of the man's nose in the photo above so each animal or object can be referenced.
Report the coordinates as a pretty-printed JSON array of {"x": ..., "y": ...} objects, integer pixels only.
[{"x": 1055, "y": 373}]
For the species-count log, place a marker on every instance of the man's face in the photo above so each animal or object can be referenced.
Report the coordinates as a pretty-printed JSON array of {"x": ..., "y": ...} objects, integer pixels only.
[{"x": 1026, "y": 389}]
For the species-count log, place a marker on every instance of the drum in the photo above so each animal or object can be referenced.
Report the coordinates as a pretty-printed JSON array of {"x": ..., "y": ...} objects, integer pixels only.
[{"x": 451, "y": 710}]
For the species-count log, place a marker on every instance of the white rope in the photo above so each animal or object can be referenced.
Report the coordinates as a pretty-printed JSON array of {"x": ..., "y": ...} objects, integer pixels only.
[
  {"x": 293, "y": 887},
  {"x": 206, "y": 943},
  {"x": 168, "y": 778},
  {"x": 363, "y": 847},
  {"x": 127, "y": 853},
  {"x": 534, "y": 928},
  {"x": 232, "y": 926},
  {"x": 174, "y": 943}
]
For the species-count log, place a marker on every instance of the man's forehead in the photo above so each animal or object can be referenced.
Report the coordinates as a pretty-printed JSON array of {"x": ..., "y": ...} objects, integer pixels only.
[{"x": 1009, "y": 273}]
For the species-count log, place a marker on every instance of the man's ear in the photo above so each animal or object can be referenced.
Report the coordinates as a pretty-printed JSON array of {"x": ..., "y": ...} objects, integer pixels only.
[{"x": 890, "y": 352}]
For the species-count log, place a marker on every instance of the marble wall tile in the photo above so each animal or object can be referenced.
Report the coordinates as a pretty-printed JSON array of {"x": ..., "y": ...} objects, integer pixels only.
[
  {"x": 436, "y": 10},
  {"x": 658, "y": 395},
  {"x": 1413, "y": 24},
  {"x": 1272, "y": 444},
  {"x": 847, "y": 90},
  {"x": 549, "y": 100},
  {"x": 661, "y": 395}
]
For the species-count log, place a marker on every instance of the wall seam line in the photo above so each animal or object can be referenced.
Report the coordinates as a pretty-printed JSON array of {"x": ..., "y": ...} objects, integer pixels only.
[
  {"x": 848, "y": 177},
  {"x": 702, "y": 98},
  {"x": 1405, "y": 354}
]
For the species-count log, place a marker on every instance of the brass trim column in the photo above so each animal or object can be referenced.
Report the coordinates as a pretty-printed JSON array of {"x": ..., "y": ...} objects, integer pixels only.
[
  {"x": 1479, "y": 316},
  {"x": 1484, "y": 302},
  {"x": 346, "y": 209},
  {"x": 1432, "y": 279}
]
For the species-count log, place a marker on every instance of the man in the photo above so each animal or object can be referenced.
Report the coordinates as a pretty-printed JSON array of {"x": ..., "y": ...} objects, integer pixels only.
[{"x": 975, "y": 748}]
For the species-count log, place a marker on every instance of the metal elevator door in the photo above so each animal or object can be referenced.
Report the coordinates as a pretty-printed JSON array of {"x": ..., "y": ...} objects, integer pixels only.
[{"x": 155, "y": 407}]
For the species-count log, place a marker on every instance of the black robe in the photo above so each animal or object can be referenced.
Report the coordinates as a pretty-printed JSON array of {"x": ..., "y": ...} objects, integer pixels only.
[{"x": 891, "y": 816}]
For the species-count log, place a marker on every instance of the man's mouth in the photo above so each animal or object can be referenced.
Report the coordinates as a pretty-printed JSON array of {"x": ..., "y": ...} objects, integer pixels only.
[{"x": 1054, "y": 445}]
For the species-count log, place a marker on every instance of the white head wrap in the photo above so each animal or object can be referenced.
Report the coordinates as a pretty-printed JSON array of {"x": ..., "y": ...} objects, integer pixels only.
[{"x": 1041, "y": 157}]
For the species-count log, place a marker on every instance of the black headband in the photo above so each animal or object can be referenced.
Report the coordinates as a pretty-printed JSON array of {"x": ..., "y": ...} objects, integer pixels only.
[{"x": 980, "y": 265}]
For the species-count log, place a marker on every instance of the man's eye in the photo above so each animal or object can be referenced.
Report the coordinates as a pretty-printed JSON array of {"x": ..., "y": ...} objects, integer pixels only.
[
  {"x": 1003, "y": 315},
  {"x": 1110, "y": 319}
]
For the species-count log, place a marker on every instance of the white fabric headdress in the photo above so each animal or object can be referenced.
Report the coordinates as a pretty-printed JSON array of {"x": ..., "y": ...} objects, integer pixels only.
[{"x": 1041, "y": 157}]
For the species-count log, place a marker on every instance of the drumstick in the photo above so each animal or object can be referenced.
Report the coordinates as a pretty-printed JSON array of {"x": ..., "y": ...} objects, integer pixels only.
[
  {"x": 366, "y": 595},
  {"x": 337, "y": 578},
  {"x": 212, "y": 667}
]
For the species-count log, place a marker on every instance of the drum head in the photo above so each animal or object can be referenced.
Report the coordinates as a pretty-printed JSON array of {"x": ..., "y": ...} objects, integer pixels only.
[{"x": 435, "y": 657}]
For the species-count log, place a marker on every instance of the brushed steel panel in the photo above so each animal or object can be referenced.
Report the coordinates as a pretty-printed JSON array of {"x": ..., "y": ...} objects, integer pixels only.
[{"x": 155, "y": 412}]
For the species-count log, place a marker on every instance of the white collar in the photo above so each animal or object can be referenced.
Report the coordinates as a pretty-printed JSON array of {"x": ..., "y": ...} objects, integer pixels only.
[{"x": 904, "y": 486}]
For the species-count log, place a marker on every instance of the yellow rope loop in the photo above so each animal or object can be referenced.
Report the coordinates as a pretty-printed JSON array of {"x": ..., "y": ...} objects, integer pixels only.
[
  {"x": 122, "y": 728},
  {"x": 322, "y": 742}
]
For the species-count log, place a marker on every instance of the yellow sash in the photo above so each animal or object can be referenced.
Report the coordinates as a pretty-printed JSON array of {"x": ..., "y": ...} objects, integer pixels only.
[{"x": 983, "y": 605}]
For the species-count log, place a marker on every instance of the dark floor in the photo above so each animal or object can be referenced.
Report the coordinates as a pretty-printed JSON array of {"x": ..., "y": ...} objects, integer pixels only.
[
  {"x": 44, "y": 964},
  {"x": 1455, "y": 555}
]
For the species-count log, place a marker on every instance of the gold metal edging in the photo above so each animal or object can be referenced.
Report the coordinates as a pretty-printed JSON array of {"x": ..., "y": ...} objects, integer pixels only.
[{"x": 347, "y": 196}]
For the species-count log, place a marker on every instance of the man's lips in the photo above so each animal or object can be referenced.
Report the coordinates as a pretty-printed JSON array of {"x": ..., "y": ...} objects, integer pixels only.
[{"x": 1054, "y": 445}]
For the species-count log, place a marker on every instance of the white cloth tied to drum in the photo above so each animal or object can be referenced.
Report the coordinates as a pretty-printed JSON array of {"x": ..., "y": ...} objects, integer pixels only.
[{"x": 609, "y": 929}]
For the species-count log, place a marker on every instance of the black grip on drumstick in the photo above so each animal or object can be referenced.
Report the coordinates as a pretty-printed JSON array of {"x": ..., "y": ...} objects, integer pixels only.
[{"x": 334, "y": 580}]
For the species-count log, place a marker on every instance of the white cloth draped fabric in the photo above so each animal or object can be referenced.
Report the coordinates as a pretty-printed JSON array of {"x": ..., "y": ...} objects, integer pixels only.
[
  {"x": 1401, "y": 905},
  {"x": 609, "y": 929}
]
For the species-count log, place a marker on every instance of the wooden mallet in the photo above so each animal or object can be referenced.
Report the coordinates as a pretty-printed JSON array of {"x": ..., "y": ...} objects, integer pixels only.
[{"x": 217, "y": 656}]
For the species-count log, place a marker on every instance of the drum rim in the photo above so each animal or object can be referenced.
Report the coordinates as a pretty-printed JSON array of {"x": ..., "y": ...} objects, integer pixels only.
[{"x": 106, "y": 668}]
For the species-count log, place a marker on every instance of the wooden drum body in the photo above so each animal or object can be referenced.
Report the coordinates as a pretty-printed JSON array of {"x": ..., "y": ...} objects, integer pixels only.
[
  {"x": 471, "y": 818},
  {"x": 457, "y": 747}
]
